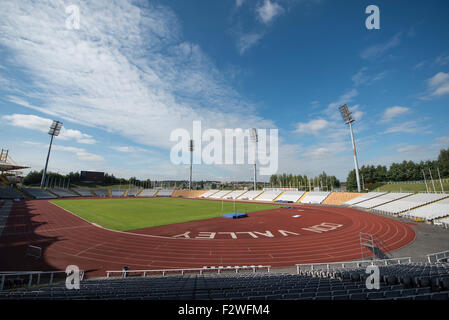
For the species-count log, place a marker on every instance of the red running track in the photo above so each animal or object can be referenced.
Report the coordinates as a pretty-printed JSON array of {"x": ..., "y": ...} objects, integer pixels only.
[{"x": 67, "y": 239}]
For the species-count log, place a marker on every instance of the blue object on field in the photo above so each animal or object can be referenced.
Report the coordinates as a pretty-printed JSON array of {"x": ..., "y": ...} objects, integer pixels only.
[
  {"x": 235, "y": 215},
  {"x": 287, "y": 207}
]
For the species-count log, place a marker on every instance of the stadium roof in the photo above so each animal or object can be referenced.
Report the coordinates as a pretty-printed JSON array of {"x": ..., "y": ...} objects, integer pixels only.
[{"x": 7, "y": 164}]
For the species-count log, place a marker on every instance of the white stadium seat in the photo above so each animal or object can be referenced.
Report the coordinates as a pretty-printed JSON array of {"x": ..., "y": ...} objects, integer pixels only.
[
  {"x": 235, "y": 194},
  {"x": 410, "y": 202},
  {"x": 292, "y": 196},
  {"x": 385, "y": 198},
  {"x": 250, "y": 195},
  {"x": 220, "y": 194},
  {"x": 432, "y": 211},
  {"x": 148, "y": 193},
  {"x": 207, "y": 194},
  {"x": 364, "y": 197},
  {"x": 315, "y": 197},
  {"x": 269, "y": 195}
]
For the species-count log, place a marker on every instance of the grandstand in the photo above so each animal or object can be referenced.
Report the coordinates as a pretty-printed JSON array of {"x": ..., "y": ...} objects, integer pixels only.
[
  {"x": 363, "y": 197},
  {"x": 62, "y": 193},
  {"x": 84, "y": 192},
  {"x": 251, "y": 195},
  {"x": 165, "y": 193},
  {"x": 117, "y": 193},
  {"x": 148, "y": 193},
  {"x": 269, "y": 195},
  {"x": 315, "y": 197},
  {"x": 382, "y": 199},
  {"x": 220, "y": 194},
  {"x": 235, "y": 194},
  {"x": 290, "y": 196},
  {"x": 207, "y": 194},
  {"x": 187, "y": 193},
  {"x": 432, "y": 211},
  {"x": 410, "y": 202},
  {"x": 38, "y": 193},
  {"x": 10, "y": 193},
  {"x": 133, "y": 192},
  {"x": 338, "y": 198},
  {"x": 101, "y": 192}
]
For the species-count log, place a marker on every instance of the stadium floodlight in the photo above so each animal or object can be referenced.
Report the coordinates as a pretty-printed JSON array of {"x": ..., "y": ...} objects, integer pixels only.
[
  {"x": 346, "y": 114},
  {"x": 191, "y": 161},
  {"x": 255, "y": 139},
  {"x": 54, "y": 131}
]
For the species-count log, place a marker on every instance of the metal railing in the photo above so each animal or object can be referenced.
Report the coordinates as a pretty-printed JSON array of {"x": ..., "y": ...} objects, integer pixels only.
[
  {"x": 436, "y": 257},
  {"x": 164, "y": 272},
  {"x": 27, "y": 279},
  {"x": 352, "y": 264}
]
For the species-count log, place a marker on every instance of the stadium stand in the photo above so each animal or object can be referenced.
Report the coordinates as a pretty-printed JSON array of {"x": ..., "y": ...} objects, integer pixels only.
[
  {"x": 269, "y": 195},
  {"x": 165, "y": 193},
  {"x": 9, "y": 193},
  {"x": 235, "y": 194},
  {"x": 38, "y": 193},
  {"x": 207, "y": 194},
  {"x": 291, "y": 196},
  {"x": 364, "y": 197},
  {"x": 250, "y": 195},
  {"x": 444, "y": 222},
  {"x": 187, "y": 193},
  {"x": 383, "y": 199},
  {"x": 432, "y": 211},
  {"x": 315, "y": 197},
  {"x": 62, "y": 193},
  {"x": 338, "y": 198},
  {"x": 412, "y": 282},
  {"x": 220, "y": 194},
  {"x": 84, "y": 192},
  {"x": 101, "y": 192},
  {"x": 133, "y": 192},
  {"x": 148, "y": 193},
  {"x": 409, "y": 203},
  {"x": 117, "y": 193}
]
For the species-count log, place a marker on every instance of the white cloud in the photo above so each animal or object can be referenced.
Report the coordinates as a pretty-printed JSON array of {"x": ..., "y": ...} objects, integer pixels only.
[
  {"x": 128, "y": 149},
  {"x": 443, "y": 140},
  {"x": 33, "y": 122},
  {"x": 239, "y": 3},
  {"x": 442, "y": 60},
  {"x": 82, "y": 154},
  {"x": 438, "y": 85},
  {"x": 126, "y": 70},
  {"x": 411, "y": 148},
  {"x": 378, "y": 50},
  {"x": 393, "y": 112},
  {"x": 268, "y": 11},
  {"x": 247, "y": 40},
  {"x": 408, "y": 127},
  {"x": 361, "y": 77},
  {"x": 312, "y": 127}
]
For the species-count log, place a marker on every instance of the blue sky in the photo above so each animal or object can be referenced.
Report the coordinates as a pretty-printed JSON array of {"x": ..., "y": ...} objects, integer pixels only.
[{"x": 137, "y": 70}]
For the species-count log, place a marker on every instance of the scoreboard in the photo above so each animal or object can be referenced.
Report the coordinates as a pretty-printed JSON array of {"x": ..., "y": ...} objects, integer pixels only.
[{"x": 91, "y": 176}]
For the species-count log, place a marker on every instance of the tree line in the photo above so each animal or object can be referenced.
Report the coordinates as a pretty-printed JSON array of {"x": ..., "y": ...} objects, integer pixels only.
[
  {"x": 374, "y": 176},
  {"x": 322, "y": 181}
]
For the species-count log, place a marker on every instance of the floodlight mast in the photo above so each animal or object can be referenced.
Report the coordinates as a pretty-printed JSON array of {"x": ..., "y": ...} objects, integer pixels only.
[
  {"x": 191, "y": 162},
  {"x": 255, "y": 139},
  {"x": 347, "y": 118},
  {"x": 54, "y": 131}
]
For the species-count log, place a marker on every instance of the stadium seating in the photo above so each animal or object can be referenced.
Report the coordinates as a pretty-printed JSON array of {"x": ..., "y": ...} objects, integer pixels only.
[
  {"x": 207, "y": 194},
  {"x": 409, "y": 203},
  {"x": 165, "y": 193},
  {"x": 10, "y": 193},
  {"x": 187, "y": 193},
  {"x": 250, "y": 195},
  {"x": 117, "y": 193},
  {"x": 338, "y": 198},
  {"x": 291, "y": 196},
  {"x": 101, "y": 192},
  {"x": 84, "y": 192},
  {"x": 382, "y": 199},
  {"x": 432, "y": 211},
  {"x": 220, "y": 194},
  {"x": 148, "y": 193},
  {"x": 38, "y": 193},
  {"x": 235, "y": 194},
  {"x": 444, "y": 222},
  {"x": 269, "y": 195},
  {"x": 364, "y": 197},
  {"x": 412, "y": 282},
  {"x": 62, "y": 193},
  {"x": 315, "y": 197}
]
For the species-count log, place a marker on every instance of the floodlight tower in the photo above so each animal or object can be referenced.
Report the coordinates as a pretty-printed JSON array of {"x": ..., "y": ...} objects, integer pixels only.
[
  {"x": 191, "y": 162},
  {"x": 55, "y": 128},
  {"x": 255, "y": 139},
  {"x": 348, "y": 119}
]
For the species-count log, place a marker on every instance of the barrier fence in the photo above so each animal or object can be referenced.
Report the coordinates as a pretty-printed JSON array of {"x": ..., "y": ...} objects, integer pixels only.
[
  {"x": 164, "y": 272},
  {"x": 437, "y": 257},
  {"x": 351, "y": 264},
  {"x": 27, "y": 279}
]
